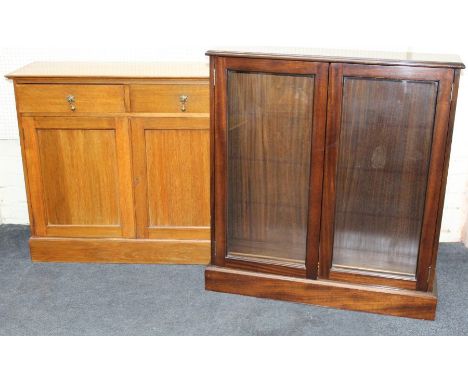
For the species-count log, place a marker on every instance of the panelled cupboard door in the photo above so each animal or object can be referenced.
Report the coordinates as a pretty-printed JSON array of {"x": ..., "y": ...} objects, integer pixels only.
[
  {"x": 269, "y": 137},
  {"x": 385, "y": 147},
  {"x": 171, "y": 160},
  {"x": 79, "y": 176}
]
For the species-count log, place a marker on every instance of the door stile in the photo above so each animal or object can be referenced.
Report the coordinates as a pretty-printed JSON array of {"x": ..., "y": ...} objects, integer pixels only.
[
  {"x": 335, "y": 92},
  {"x": 220, "y": 163},
  {"x": 434, "y": 181},
  {"x": 317, "y": 154}
]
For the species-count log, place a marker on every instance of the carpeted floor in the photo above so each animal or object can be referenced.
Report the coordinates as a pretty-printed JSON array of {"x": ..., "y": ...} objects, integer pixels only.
[{"x": 107, "y": 299}]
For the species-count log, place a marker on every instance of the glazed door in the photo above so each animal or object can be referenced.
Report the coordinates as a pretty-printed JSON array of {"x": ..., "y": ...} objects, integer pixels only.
[
  {"x": 269, "y": 137},
  {"x": 385, "y": 146},
  {"x": 79, "y": 176}
]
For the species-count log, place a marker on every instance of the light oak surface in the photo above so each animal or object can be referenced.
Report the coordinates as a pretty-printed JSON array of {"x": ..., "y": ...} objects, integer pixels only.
[
  {"x": 132, "y": 70},
  {"x": 84, "y": 159},
  {"x": 53, "y": 98},
  {"x": 80, "y": 176},
  {"x": 166, "y": 98},
  {"x": 105, "y": 250},
  {"x": 160, "y": 209}
]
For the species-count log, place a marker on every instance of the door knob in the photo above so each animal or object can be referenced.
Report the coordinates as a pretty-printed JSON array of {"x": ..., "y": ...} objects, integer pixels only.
[
  {"x": 71, "y": 102},
  {"x": 183, "y": 101}
]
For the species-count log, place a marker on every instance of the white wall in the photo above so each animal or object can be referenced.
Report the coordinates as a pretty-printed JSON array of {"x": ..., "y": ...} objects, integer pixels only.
[
  {"x": 13, "y": 207},
  {"x": 183, "y": 30}
]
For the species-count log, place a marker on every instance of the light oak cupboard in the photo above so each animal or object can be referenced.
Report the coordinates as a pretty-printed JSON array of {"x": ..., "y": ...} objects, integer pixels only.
[
  {"x": 79, "y": 176},
  {"x": 329, "y": 176},
  {"x": 116, "y": 161}
]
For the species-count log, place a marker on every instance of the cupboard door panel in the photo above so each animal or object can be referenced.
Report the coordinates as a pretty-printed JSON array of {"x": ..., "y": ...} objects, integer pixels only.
[
  {"x": 81, "y": 183},
  {"x": 171, "y": 159},
  {"x": 382, "y": 143},
  {"x": 268, "y": 164},
  {"x": 73, "y": 182}
]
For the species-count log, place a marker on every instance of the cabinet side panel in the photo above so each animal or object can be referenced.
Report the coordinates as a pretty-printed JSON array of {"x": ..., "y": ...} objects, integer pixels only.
[
  {"x": 453, "y": 107},
  {"x": 33, "y": 171}
]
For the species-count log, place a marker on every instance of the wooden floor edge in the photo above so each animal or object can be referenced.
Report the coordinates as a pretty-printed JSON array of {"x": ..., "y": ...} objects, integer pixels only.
[
  {"x": 341, "y": 295},
  {"x": 135, "y": 251}
]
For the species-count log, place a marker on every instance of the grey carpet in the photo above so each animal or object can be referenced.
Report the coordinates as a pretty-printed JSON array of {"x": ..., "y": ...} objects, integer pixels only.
[{"x": 108, "y": 299}]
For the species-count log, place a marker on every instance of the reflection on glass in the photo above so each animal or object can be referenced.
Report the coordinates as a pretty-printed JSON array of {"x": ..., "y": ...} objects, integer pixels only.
[
  {"x": 384, "y": 151},
  {"x": 269, "y": 143}
]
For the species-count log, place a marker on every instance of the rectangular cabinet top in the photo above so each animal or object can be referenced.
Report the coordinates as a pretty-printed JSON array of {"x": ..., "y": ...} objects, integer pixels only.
[
  {"x": 346, "y": 56},
  {"x": 112, "y": 70}
]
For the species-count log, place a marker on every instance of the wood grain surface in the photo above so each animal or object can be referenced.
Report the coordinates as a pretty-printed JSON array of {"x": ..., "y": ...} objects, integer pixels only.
[
  {"x": 166, "y": 98},
  {"x": 111, "y": 70},
  {"x": 343, "y": 56},
  {"x": 80, "y": 180},
  {"x": 381, "y": 300},
  {"x": 108, "y": 250},
  {"x": 120, "y": 161},
  {"x": 52, "y": 98},
  {"x": 171, "y": 170}
]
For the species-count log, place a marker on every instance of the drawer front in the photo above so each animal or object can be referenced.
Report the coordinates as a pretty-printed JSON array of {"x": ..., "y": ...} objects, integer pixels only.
[
  {"x": 170, "y": 98},
  {"x": 70, "y": 98}
]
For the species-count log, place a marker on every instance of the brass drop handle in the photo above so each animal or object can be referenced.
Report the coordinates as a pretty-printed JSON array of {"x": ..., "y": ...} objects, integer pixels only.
[
  {"x": 71, "y": 102},
  {"x": 183, "y": 102}
]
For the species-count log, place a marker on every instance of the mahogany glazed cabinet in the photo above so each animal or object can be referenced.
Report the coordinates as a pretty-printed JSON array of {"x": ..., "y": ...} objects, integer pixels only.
[
  {"x": 329, "y": 175},
  {"x": 116, "y": 161}
]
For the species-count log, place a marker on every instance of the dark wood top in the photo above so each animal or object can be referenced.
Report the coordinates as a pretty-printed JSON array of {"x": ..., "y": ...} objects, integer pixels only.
[{"x": 346, "y": 56}]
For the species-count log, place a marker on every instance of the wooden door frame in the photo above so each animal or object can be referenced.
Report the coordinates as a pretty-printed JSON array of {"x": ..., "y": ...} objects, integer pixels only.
[
  {"x": 139, "y": 125},
  {"x": 219, "y": 67},
  {"x": 126, "y": 229},
  {"x": 429, "y": 235}
]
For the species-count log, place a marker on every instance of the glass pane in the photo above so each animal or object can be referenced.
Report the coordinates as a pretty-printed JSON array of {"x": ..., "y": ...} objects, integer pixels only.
[
  {"x": 385, "y": 141},
  {"x": 269, "y": 143}
]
